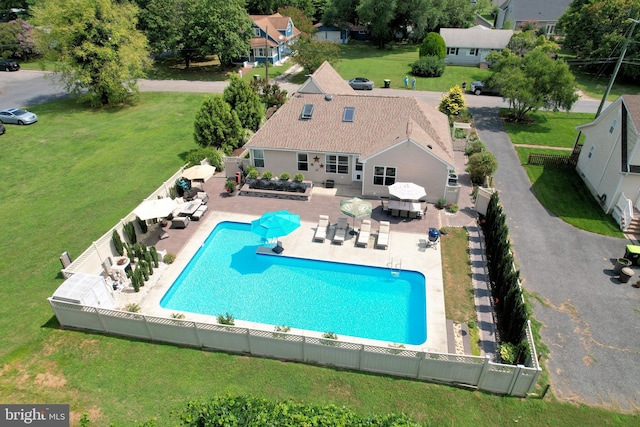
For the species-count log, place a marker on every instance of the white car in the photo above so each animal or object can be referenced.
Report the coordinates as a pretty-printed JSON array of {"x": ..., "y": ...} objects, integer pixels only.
[
  {"x": 361, "y": 83},
  {"x": 17, "y": 116}
]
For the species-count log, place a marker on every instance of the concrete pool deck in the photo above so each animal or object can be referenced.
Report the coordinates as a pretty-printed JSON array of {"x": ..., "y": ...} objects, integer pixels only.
[{"x": 406, "y": 251}]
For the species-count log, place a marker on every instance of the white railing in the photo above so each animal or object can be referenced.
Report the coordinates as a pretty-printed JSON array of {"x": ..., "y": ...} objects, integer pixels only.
[
  {"x": 469, "y": 371},
  {"x": 90, "y": 261},
  {"x": 623, "y": 212}
]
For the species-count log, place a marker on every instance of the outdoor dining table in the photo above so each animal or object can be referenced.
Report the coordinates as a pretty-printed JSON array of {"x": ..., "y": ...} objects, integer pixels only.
[{"x": 403, "y": 205}]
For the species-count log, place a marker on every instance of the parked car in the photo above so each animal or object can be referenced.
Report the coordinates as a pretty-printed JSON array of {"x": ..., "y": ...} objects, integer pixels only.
[
  {"x": 17, "y": 116},
  {"x": 479, "y": 88},
  {"x": 7, "y": 65},
  {"x": 2, "y": 129},
  {"x": 361, "y": 83}
]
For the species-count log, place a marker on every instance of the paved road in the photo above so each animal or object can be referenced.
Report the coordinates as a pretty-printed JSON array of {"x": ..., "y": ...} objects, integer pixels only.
[{"x": 592, "y": 322}]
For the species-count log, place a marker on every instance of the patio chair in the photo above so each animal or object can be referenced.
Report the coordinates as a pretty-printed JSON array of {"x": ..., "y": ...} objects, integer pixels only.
[
  {"x": 341, "y": 231},
  {"x": 413, "y": 214},
  {"x": 199, "y": 213},
  {"x": 395, "y": 212},
  {"x": 180, "y": 222},
  {"x": 404, "y": 214},
  {"x": 363, "y": 236},
  {"x": 383, "y": 235},
  {"x": 321, "y": 230}
]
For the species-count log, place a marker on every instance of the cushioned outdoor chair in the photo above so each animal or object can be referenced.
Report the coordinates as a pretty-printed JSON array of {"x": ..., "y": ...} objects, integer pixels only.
[
  {"x": 364, "y": 234},
  {"x": 321, "y": 230},
  {"x": 180, "y": 222},
  {"x": 341, "y": 231},
  {"x": 383, "y": 235}
]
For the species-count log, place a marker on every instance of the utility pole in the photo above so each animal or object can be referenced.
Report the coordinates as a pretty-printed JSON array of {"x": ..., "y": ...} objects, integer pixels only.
[{"x": 266, "y": 54}]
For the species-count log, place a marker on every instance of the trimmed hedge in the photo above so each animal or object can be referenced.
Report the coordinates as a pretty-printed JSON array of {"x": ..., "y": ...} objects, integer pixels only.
[{"x": 428, "y": 66}]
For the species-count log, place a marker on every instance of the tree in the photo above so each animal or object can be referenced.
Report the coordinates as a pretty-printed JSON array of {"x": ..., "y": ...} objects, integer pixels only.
[
  {"x": 595, "y": 30},
  {"x": 310, "y": 54},
  {"x": 245, "y": 102},
  {"x": 94, "y": 46},
  {"x": 217, "y": 125},
  {"x": 267, "y": 7},
  {"x": 271, "y": 95},
  {"x": 299, "y": 19},
  {"x": 340, "y": 13},
  {"x": 525, "y": 41},
  {"x": 433, "y": 45},
  {"x": 532, "y": 82},
  {"x": 480, "y": 166},
  {"x": 453, "y": 102},
  {"x": 378, "y": 14},
  {"x": 197, "y": 28},
  {"x": 16, "y": 40}
]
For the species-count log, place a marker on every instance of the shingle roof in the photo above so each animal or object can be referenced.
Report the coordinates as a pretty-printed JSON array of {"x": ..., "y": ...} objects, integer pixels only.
[
  {"x": 633, "y": 106},
  {"x": 274, "y": 24},
  {"x": 379, "y": 122},
  {"x": 476, "y": 37},
  {"x": 539, "y": 10},
  {"x": 326, "y": 80}
]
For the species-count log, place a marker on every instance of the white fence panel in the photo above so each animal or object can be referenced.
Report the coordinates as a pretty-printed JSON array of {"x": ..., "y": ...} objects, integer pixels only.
[
  {"x": 451, "y": 370},
  {"x": 498, "y": 378},
  {"x": 225, "y": 338},
  {"x": 124, "y": 323},
  {"x": 277, "y": 344},
  {"x": 332, "y": 353},
  {"x": 73, "y": 315},
  {"x": 173, "y": 330},
  {"x": 391, "y": 361}
]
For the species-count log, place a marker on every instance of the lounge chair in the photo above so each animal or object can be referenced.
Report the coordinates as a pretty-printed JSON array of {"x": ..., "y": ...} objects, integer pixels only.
[
  {"x": 383, "y": 235},
  {"x": 180, "y": 222},
  {"x": 199, "y": 213},
  {"x": 363, "y": 236},
  {"x": 341, "y": 231},
  {"x": 321, "y": 229}
]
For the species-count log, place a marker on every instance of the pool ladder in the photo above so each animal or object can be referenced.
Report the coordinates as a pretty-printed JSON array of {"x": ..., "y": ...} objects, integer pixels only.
[{"x": 394, "y": 268}]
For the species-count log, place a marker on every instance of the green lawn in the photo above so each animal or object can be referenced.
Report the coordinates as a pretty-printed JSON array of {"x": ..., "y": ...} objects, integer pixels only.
[
  {"x": 561, "y": 191},
  {"x": 68, "y": 179},
  {"x": 549, "y": 129}
]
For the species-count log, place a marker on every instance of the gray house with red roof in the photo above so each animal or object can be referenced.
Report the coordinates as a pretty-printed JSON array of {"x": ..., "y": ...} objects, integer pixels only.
[{"x": 328, "y": 131}]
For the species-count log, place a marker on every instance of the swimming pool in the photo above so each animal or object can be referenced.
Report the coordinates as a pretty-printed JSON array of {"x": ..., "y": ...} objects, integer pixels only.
[{"x": 226, "y": 275}]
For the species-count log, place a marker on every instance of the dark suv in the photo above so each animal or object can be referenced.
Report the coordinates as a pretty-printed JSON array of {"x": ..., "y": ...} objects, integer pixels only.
[
  {"x": 478, "y": 88},
  {"x": 7, "y": 65}
]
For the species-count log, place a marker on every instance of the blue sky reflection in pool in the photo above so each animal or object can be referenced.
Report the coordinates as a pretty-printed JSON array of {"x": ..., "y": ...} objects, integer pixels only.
[{"x": 226, "y": 275}]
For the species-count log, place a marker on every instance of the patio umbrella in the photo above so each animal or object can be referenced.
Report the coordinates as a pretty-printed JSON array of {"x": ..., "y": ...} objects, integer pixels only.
[
  {"x": 203, "y": 172},
  {"x": 155, "y": 208},
  {"x": 407, "y": 191},
  {"x": 272, "y": 225},
  {"x": 355, "y": 208}
]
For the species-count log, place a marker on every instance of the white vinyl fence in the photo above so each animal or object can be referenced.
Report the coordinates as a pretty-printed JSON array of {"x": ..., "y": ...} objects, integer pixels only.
[{"x": 471, "y": 371}]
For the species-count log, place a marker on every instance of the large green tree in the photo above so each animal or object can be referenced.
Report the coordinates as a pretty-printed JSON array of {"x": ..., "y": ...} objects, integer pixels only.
[
  {"x": 378, "y": 14},
  {"x": 433, "y": 45},
  {"x": 217, "y": 125},
  {"x": 310, "y": 54},
  {"x": 596, "y": 29},
  {"x": 94, "y": 46},
  {"x": 197, "y": 28},
  {"x": 533, "y": 81},
  {"x": 245, "y": 102}
]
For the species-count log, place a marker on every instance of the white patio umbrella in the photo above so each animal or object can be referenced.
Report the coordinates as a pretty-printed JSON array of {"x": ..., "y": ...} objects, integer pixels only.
[
  {"x": 203, "y": 172},
  {"x": 407, "y": 191},
  {"x": 155, "y": 208}
]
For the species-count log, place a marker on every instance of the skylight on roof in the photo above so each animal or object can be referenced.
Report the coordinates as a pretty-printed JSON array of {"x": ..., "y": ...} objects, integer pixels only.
[
  {"x": 307, "y": 111},
  {"x": 349, "y": 112}
]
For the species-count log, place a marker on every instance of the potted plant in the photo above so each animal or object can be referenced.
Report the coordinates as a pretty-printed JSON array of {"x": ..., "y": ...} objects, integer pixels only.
[{"x": 230, "y": 186}]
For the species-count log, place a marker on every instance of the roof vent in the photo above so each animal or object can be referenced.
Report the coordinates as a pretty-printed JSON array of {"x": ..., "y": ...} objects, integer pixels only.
[
  {"x": 328, "y": 97},
  {"x": 430, "y": 146}
]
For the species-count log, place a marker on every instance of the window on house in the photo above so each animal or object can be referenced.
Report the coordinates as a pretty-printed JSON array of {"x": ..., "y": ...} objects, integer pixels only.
[
  {"x": 452, "y": 51},
  {"x": 337, "y": 164},
  {"x": 307, "y": 112},
  {"x": 613, "y": 126},
  {"x": 349, "y": 112},
  {"x": 258, "y": 158},
  {"x": 303, "y": 162},
  {"x": 473, "y": 52},
  {"x": 551, "y": 28},
  {"x": 384, "y": 175},
  {"x": 260, "y": 51},
  {"x": 256, "y": 32},
  {"x": 591, "y": 151}
]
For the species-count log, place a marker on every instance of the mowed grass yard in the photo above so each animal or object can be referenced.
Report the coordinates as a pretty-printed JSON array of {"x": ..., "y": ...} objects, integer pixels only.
[
  {"x": 68, "y": 179},
  {"x": 561, "y": 191}
]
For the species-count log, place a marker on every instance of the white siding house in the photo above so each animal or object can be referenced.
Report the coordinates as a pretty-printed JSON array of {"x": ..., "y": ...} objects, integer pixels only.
[{"x": 470, "y": 46}]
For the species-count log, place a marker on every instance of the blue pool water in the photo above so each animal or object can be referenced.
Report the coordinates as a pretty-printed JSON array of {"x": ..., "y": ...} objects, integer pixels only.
[{"x": 227, "y": 276}]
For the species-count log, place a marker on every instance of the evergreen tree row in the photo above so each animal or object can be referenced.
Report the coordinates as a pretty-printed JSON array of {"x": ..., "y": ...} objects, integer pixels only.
[{"x": 510, "y": 309}]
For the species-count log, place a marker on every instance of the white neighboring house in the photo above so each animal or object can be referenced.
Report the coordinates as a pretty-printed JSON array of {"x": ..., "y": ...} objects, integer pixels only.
[
  {"x": 470, "y": 46},
  {"x": 609, "y": 162}
]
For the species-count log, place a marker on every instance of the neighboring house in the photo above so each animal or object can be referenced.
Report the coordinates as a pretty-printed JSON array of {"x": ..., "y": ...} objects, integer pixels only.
[
  {"x": 359, "y": 32},
  {"x": 272, "y": 38},
  {"x": 469, "y": 46},
  {"x": 609, "y": 162},
  {"x": 329, "y": 33},
  {"x": 544, "y": 12},
  {"x": 327, "y": 131}
]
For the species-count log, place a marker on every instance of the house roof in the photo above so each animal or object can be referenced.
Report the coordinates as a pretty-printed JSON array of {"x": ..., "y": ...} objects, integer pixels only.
[
  {"x": 275, "y": 25},
  {"x": 379, "y": 122},
  {"x": 537, "y": 10},
  {"x": 326, "y": 80},
  {"x": 476, "y": 37},
  {"x": 633, "y": 106}
]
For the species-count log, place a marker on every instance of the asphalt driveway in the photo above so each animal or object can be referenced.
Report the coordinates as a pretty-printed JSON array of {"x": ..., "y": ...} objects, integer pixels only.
[{"x": 591, "y": 320}]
